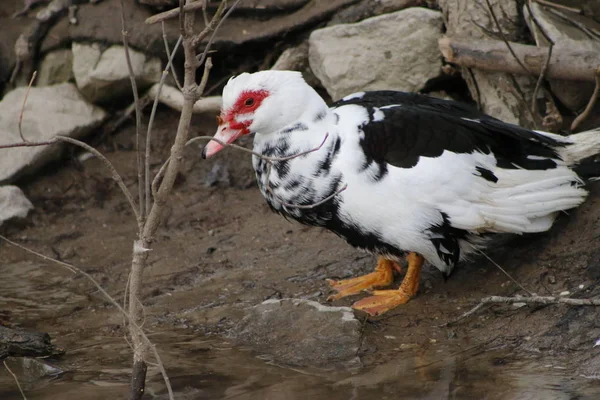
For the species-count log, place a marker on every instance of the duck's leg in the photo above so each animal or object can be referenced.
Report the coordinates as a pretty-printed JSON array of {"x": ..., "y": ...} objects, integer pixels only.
[
  {"x": 381, "y": 277},
  {"x": 385, "y": 300}
]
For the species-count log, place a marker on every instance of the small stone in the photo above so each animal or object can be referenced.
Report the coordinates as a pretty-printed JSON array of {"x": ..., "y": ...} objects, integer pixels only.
[
  {"x": 408, "y": 346},
  {"x": 390, "y": 337},
  {"x": 565, "y": 293},
  {"x": 519, "y": 305},
  {"x": 551, "y": 279}
]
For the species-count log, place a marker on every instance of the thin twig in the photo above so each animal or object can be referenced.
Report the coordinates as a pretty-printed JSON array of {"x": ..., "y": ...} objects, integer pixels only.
[
  {"x": 164, "y": 32},
  {"x": 540, "y": 80},
  {"x": 563, "y": 7},
  {"x": 216, "y": 29},
  {"x": 110, "y": 299},
  {"x": 204, "y": 14},
  {"x": 493, "y": 14},
  {"x": 527, "y": 300},
  {"x": 207, "y": 67},
  {"x": 548, "y": 57},
  {"x": 27, "y": 144},
  {"x": 504, "y": 272},
  {"x": 113, "y": 171},
  {"x": 23, "y": 106},
  {"x": 266, "y": 158},
  {"x": 175, "y": 12},
  {"x": 138, "y": 120},
  {"x": 590, "y": 106},
  {"x": 115, "y": 175},
  {"x": 151, "y": 123},
  {"x": 16, "y": 379}
]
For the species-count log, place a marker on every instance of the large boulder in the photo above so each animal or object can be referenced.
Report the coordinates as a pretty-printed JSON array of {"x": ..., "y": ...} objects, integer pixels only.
[
  {"x": 302, "y": 333},
  {"x": 102, "y": 75},
  {"x": 392, "y": 51},
  {"x": 49, "y": 111},
  {"x": 55, "y": 67}
]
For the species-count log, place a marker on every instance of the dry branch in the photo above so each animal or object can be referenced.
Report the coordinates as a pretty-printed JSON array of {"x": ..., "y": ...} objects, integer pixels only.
[
  {"x": 544, "y": 300},
  {"x": 590, "y": 106},
  {"x": 174, "y": 12},
  {"x": 493, "y": 55},
  {"x": 16, "y": 380},
  {"x": 110, "y": 299}
]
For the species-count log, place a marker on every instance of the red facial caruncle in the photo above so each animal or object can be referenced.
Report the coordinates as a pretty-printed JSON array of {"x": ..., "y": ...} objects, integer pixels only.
[
  {"x": 230, "y": 128},
  {"x": 247, "y": 102}
]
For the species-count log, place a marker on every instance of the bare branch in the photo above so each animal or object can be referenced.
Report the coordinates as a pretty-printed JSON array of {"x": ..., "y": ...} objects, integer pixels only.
[
  {"x": 546, "y": 300},
  {"x": 109, "y": 298},
  {"x": 27, "y": 144},
  {"x": 23, "y": 106},
  {"x": 504, "y": 272},
  {"x": 115, "y": 175},
  {"x": 562, "y": 7},
  {"x": 16, "y": 379},
  {"x": 492, "y": 55},
  {"x": 151, "y": 123},
  {"x": 217, "y": 17},
  {"x": 207, "y": 67},
  {"x": 138, "y": 120},
  {"x": 540, "y": 80},
  {"x": 169, "y": 54},
  {"x": 175, "y": 12},
  {"x": 590, "y": 106},
  {"x": 506, "y": 42}
]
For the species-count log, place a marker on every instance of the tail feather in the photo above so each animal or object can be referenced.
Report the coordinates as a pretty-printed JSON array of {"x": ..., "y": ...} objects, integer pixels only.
[{"x": 578, "y": 148}]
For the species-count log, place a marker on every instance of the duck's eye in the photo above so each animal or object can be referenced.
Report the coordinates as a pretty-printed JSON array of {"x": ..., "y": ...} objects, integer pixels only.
[{"x": 249, "y": 102}]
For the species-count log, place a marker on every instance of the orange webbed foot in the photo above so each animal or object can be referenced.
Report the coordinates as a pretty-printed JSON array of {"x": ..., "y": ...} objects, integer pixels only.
[
  {"x": 382, "y": 301},
  {"x": 381, "y": 277}
]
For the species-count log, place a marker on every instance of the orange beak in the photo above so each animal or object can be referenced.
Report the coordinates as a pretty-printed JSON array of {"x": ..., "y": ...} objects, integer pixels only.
[{"x": 225, "y": 134}]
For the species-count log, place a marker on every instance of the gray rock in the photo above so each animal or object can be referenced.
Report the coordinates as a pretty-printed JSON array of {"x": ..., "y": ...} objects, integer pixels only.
[
  {"x": 574, "y": 95},
  {"x": 49, "y": 111},
  {"x": 495, "y": 92},
  {"x": 103, "y": 75},
  {"x": 302, "y": 333},
  {"x": 392, "y": 51},
  {"x": 55, "y": 67},
  {"x": 13, "y": 203},
  {"x": 252, "y": 21},
  {"x": 296, "y": 59}
]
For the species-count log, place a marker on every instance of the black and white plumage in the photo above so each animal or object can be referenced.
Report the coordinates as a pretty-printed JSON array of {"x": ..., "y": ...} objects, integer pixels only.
[{"x": 423, "y": 175}]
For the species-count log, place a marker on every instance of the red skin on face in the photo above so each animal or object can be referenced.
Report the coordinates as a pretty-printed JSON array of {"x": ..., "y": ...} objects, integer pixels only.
[{"x": 247, "y": 102}]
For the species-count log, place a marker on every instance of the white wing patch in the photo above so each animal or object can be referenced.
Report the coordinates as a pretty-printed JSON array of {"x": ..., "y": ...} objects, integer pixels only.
[
  {"x": 378, "y": 115},
  {"x": 357, "y": 95}
]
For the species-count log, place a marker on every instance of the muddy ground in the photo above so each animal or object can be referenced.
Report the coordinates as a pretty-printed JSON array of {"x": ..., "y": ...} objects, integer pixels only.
[{"x": 221, "y": 251}]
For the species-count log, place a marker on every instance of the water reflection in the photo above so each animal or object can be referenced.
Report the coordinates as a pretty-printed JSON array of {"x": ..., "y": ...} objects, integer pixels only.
[{"x": 96, "y": 365}]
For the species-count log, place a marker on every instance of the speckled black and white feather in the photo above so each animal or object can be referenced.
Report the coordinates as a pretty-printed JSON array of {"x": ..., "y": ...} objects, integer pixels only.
[{"x": 424, "y": 175}]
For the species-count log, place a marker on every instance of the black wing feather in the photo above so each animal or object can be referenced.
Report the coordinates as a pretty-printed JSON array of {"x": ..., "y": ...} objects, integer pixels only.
[{"x": 424, "y": 126}]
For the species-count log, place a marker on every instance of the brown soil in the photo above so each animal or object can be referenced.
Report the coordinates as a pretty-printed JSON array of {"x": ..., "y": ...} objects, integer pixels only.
[{"x": 221, "y": 250}]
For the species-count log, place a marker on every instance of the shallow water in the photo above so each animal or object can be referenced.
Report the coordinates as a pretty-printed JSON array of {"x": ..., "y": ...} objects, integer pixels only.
[
  {"x": 209, "y": 369},
  {"x": 97, "y": 363}
]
